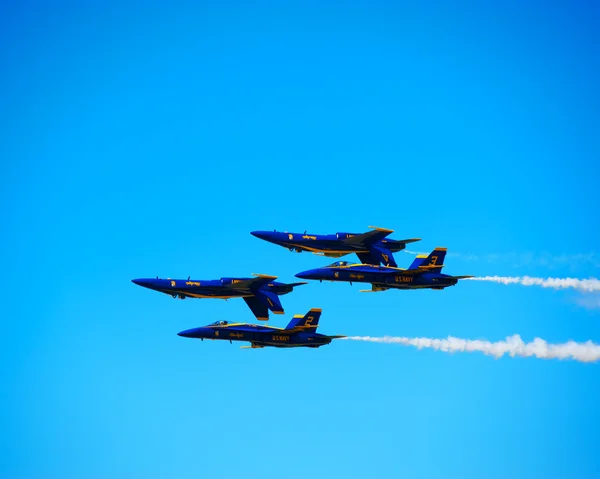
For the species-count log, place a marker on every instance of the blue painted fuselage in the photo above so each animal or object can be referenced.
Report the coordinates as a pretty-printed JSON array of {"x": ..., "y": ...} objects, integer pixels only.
[
  {"x": 334, "y": 245},
  {"x": 223, "y": 288},
  {"x": 381, "y": 277},
  {"x": 261, "y": 293},
  {"x": 258, "y": 335},
  {"x": 372, "y": 247}
]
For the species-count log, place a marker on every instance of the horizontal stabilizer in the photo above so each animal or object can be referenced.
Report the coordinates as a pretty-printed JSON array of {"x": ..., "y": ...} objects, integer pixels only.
[{"x": 410, "y": 240}]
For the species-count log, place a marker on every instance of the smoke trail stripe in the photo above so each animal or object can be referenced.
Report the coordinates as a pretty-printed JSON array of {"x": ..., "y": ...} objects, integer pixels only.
[
  {"x": 588, "y": 285},
  {"x": 587, "y": 352}
]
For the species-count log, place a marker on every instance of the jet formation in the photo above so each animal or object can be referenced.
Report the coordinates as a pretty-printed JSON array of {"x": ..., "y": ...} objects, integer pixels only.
[{"x": 261, "y": 293}]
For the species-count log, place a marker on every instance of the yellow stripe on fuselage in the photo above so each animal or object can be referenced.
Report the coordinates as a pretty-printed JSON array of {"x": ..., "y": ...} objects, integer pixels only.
[
  {"x": 243, "y": 324},
  {"x": 320, "y": 250}
]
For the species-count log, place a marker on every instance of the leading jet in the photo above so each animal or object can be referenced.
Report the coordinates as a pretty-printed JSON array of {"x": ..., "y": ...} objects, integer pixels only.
[
  {"x": 301, "y": 332},
  {"x": 424, "y": 272},
  {"x": 372, "y": 247},
  {"x": 260, "y": 293}
]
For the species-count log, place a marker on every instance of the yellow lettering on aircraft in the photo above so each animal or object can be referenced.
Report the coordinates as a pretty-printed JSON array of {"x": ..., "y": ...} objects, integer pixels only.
[
  {"x": 385, "y": 257},
  {"x": 356, "y": 276},
  {"x": 192, "y": 283},
  {"x": 281, "y": 338},
  {"x": 404, "y": 279},
  {"x": 234, "y": 281},
  {"x": 433, "y": 260},
  {"x": 336, "y": 274},
  {"x": 236, "y": 335},
  {"x": 309, "y": 237},
  {"x": 216, "y": 333},
  {"x": 309, "y": 320}
]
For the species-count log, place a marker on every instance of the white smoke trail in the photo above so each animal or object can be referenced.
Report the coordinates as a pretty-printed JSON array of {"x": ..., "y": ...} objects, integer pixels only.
[
  {"x": 589, "y": 285},
  {"x": 587, "y": 352}
]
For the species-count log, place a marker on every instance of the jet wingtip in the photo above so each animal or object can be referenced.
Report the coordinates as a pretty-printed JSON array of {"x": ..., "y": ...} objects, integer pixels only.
[
  {"x": 266, "y": 276},
  {"x": 381, "y": 229}
]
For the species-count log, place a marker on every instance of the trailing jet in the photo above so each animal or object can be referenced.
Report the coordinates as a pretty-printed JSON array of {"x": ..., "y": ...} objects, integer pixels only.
[
  {"x": 424, "y": 272},
  {"x": 260, "y": 293},
  {"x": 372, "y": 247},
  {"x": 301, "y": 332}
]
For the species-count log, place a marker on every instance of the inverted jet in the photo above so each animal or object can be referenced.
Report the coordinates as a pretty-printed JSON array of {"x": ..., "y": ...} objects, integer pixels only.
[
  {"x": 372, "y": 247},
  {"x": 260, "y": 293}
]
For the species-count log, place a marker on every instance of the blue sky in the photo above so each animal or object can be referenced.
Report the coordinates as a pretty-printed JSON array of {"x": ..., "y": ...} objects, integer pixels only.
[{"x": 145, "y": 139}]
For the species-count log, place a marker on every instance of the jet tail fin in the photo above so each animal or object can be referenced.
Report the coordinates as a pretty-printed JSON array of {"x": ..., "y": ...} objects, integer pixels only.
[
  {"x": 434, "y": 262},
  {"x": 270, "y": 300},
  {"x": 309, "y": 322},
  {"x": 378, "y": 254},
  {"x": 419, "y": 260}
]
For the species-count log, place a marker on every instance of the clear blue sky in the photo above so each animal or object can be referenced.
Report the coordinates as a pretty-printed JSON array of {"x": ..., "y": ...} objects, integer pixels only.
[{"x": 145, "y": 139}]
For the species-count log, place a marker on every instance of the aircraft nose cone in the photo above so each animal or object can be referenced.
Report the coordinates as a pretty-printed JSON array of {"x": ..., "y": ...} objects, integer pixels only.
[
  {"x": 187, "y": 333},
  {"x": 261, "y": 234},
  {"x": 309, "y": 274},
  {"x": 150, "y": 283},
  {"x": 196, "y": 333}
]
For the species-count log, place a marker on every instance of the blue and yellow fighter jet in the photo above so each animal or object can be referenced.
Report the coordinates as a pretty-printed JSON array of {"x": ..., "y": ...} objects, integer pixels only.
[
  {"x": 301, "y": 332},
  {"x": 424, "y": 272},
  {"x": 372, "y": 247},
  {"x": 260, "y": 293}
]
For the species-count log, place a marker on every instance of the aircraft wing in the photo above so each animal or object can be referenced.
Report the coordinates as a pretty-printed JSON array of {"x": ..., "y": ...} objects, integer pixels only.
[
  {"x": 257, "y": 282},
  {"x": 369, "y": 237}
]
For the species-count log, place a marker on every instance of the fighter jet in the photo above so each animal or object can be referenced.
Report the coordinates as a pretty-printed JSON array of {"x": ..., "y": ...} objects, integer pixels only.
[
  {"x": 301, "y": 332},
  {"x": 260, "y": 293},
  {"x": 424, "y": 272},
  {"x": 372, "y": 247}
]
